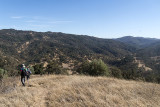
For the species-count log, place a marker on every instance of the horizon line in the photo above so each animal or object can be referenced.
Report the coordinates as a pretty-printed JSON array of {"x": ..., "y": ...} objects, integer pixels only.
[{"x": 79, "y": 34}]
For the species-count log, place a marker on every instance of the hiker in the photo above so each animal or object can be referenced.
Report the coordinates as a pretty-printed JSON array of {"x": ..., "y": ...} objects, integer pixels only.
[
  {"x": 28, "y": 73},
  {"x": 23, "y": 74}
]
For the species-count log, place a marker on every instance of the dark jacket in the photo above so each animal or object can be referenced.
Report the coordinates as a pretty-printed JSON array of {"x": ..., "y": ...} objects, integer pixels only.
[{"x": 23, "y": 71}]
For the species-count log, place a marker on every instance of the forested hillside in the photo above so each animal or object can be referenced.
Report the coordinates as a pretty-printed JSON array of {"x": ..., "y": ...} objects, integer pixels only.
[
  {"x": 151, "y": 56},
  {"x": 36, "y": 47},
  {"x": 138, "y": 42},
  {"x": 59, "y": 52},
  {"x": 147, "y": 54}
]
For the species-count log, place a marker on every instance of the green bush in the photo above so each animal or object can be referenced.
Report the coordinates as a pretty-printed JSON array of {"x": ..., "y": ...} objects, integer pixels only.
[
  {"x": 131, "y": 74},
  {"x": 3, "y": 73},
  {"x": 158, "y": 79},
  {"x": 115, "y": 72},
  {"x": 94, "y": 68},
  {"x": 39, "y": 69},
  {"x": 84, "y": 68},
  {"x": 55, "y": 68}
]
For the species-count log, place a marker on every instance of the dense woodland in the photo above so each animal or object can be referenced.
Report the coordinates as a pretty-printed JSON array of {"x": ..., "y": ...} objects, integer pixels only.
[{"x": 85, "y": 54}]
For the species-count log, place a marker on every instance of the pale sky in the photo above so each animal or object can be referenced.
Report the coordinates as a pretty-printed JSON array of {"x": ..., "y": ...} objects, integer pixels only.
[{"x": 99, "y": 18}]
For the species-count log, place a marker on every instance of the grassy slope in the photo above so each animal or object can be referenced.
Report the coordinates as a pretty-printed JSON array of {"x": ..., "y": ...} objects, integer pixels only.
[{"x": 73, "y": 91}]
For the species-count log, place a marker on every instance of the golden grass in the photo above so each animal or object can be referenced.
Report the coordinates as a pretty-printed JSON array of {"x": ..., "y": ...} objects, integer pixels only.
[{"x": 81, "y": 91}]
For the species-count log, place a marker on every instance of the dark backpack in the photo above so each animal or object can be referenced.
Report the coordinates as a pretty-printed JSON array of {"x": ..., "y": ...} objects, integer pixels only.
[
  {"x": 23, "y": 72},
  {"x": 29, "y": 71}
]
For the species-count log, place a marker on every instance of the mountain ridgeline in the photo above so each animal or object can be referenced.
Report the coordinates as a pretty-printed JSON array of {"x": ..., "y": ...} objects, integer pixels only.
[
  {"x": 32, "y": 48},
  {"x": 138, "y": 42}
]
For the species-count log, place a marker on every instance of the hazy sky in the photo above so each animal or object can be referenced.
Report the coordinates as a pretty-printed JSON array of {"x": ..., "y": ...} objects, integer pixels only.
[{"x": 100, "y": 18}]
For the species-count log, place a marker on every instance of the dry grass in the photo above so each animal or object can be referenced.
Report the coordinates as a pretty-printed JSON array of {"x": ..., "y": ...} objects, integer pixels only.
[{"x": 81, "y": 91}]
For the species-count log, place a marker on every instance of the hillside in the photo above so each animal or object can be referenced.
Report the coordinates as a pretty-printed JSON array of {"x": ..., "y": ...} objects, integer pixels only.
[
  {"x": 150, "y": 51},
  {"x": 138, "y": 42},
  {"x": 147, "y": 52},
  {"x": 151, "y": 56},
  {"x": 57, "y": 91},
  {"x": 31, "y": 47},
  {"x": 66, "y": 52}
]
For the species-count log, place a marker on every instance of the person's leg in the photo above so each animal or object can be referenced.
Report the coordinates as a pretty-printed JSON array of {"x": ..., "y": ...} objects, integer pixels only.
[
  {"x": 28, "y": 76},
  {"x": 23, "y": 80}
]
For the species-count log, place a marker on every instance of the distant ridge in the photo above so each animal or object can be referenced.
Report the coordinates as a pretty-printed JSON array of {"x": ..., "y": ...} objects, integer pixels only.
[{"x": 138, "y": 42}]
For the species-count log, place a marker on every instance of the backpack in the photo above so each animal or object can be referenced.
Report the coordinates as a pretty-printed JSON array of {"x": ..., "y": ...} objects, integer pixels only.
[
  {"x": 28, "y": 71},
  {"x": 23, "y": 72}
]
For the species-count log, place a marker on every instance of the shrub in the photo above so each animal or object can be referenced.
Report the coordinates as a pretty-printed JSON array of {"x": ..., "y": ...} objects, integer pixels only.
[
  {"x": 158, "y": 79},
  {"x": 115, "y": 72},
  {"x": 84, "y": 68},
  {"x": 39, "y": 69},
  {"x": 94, "y": 68},
  {"x": 131, "y": 74},
  {"x": 98, "y": 67},
  {"x": 2, "y": 73},
  {"x": 55, "y": 68}
]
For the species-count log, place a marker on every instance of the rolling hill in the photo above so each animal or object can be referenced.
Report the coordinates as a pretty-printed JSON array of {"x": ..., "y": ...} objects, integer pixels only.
[
  {"x": 147, "y": 51},
  {"x": 38, "y": 47},
  {"x": 138, "y": 42},
  {"x": 151, "y": 56},
  {"x": 70, "y": 50},
  {"x": 150, "y": 51}
]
